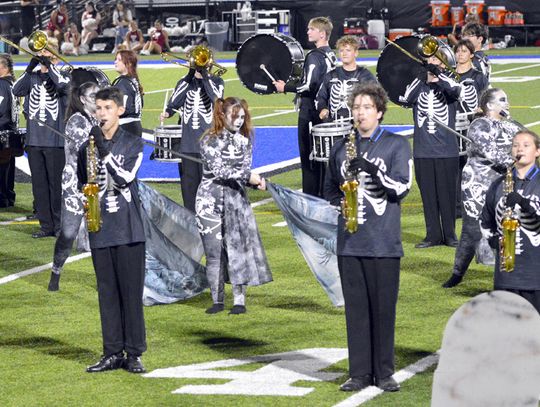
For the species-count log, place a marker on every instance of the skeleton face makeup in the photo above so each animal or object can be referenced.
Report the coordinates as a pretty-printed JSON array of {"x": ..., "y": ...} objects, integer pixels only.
[
  {"x": 89, "y": 99},
  {"x": 499, "y": 103},
  {"x": 234, "y": 123}
]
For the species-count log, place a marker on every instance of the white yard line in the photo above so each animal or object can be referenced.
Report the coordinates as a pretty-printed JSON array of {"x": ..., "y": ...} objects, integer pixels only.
[
  {"x": 532, "y": 124},
  {"x": 38, "y": 269},
  {"x": 404, "y": 374},
  {"x": 515, "y": 69},
  {"x": 9, "y": 222}
]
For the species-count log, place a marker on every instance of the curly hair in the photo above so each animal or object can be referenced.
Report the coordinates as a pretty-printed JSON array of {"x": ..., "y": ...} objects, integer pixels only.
[{"x": 373, "y": 90}]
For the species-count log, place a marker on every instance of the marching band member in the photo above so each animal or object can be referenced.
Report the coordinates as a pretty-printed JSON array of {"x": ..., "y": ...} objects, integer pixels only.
[
  {"x": 81, "y": 112},
  {"x": 525, "y": 200},
  {"x": 488, "y": 156},
  {"x": 473, "y": 83},
  {"x": 478, "y": 34},
  {"x": 338, "y": 83},
  {"x": 434, "y": 94},
  {"x": 128, "y": 82},
  {"x": 118, "y": 248},
  {"x": 194, "y": 97},
  {"x": 317, "y": 63},
  {"x": 368, "y": 264},
  {"x": 226, "y": 222},
  {"x": 8, "y": 127},
  {"x": 45, "y": 94}
]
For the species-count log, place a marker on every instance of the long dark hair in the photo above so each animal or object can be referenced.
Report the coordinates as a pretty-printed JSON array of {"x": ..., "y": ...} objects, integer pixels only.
[
  {"x": 75, "y": 105},
  {"x": 488, "y": 96},
  {"x": 222, "y": 107},
  {"x": 5, "y": 59},
  {"x": 130, "y": 60}
]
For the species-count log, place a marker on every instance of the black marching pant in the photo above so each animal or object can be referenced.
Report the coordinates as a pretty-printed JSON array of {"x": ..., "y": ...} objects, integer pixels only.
[
  {"x": 313, "y": 172},
  {"x": 46, "y": 165},
  {"x": 470, "y": 236},
  {"x": 7, "y": 183},
  {"x": 533, "y": 296},
  {"x": 120, "y": 282},
  {"x": 437, "y": 181},
  {"x": 190, "y": 178},
  {"x": 70, "y": 228},
  {"x": 370, "y": 289}
]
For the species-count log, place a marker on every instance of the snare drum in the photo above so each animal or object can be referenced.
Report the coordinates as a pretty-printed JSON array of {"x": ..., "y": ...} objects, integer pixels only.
[
  {"x": 325, "y": 135},
  {"x": 167, "y": 137}
]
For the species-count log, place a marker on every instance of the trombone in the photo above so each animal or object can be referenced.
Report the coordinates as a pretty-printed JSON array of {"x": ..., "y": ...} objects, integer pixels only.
[
  {"x": 38, "y": 41},
  {"x": 198, "y": 58}
]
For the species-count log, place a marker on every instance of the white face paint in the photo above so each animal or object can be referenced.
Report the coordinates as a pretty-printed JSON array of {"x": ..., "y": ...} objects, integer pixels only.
[
  {"x": 89, "y": 99},
  {"x": 500, "y": 103},
  {"x": 234, "y": 124}
]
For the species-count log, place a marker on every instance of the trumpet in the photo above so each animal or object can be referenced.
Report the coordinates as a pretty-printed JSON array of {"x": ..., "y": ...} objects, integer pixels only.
[
  {"x": 198, "y": 58},
  {"x": 38, "y": 41}
]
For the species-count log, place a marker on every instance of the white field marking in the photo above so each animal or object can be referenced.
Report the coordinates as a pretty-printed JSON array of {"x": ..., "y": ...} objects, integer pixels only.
[
  {"x": 514, "y": 79},
  {"x": 535, "y": 107},
  {"x": 22, "y": 164},
  {"x": 515, "y": 69},
  {"x": 9, "y": 222},
  {"x": 38, "y": 269},
  {"x": 532, "y": 124},
  {"x": 404, "y": 374},
  {"x": 280, "y": 224},
  {"x": 279, "y": 113}
]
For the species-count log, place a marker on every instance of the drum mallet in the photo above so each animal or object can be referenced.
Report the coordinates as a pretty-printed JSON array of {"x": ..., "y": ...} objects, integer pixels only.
[
  {"x": 263, "y": 67},
  {"x": 164, "y": 105}
]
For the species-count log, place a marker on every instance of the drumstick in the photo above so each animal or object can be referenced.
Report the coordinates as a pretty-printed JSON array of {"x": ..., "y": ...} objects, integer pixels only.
[
  {"x": 263, "y": 67},
  {"x": 165, "y": 104}
]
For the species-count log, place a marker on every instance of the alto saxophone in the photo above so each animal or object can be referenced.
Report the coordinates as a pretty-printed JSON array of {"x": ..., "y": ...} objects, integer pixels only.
[
  {"x": 349, "y": 204},
  {"x": 91, "y": 189},
  {"x": 509, "y": 226}
]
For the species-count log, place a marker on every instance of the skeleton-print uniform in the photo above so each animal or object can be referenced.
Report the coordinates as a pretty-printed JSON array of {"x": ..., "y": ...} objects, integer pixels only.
[
  {"x": 489, "y": 154},
  {"x": 336, "y": 88},
  {"x": 195, "y": 97},
  {"x": 437, "y": 99},
  {"x": 9, "y": 114},
  {"x": 226, "y": 222},
  {"x": 77, "y": 130},
  {"x": 118, "y": 193},
  {"x": 481, "y": 63},
  {"x": 379, "y": 227},
  {"x": 133, "y": 103},
  {"x": 473, "y": 83},
  {"x": 368, "y": 260},
  {"x": 46, "y": 99},
  {"x": 318, "y": 62},
  {"x": 526, "y": 275}
]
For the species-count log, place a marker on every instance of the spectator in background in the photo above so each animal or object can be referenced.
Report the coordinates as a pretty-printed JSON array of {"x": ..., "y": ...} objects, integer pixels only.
[
  {"x": 478, "y": 34},
  {"x": 121, "y": 18},
  {"x": 59, "y": 22},
  {"x": 134, "y": 40},
  {"x": 90, "y": 20},
  {"x": 72, "y": 41},
  {"x": 159, "y": 40},
  {"x": 453, "y": 37},
  {"x": 28, "y": 16}
]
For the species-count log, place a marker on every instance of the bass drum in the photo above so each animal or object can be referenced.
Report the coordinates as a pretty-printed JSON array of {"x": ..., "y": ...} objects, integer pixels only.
[
  {"x": 82, "y": 75},
  {"x": 282, "y": 56},
  {"x": 396, "y": 70}
]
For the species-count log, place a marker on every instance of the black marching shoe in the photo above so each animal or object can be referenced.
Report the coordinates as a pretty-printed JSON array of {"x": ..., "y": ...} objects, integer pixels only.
[
  {"x": 111, "y": 362},
  {"x": 238, "y": 309},
  {"x": 41, "y": 233},
  {"x": 53, "y": 282},
  {"x": 357, "y": 383},
  {"x": 133, "y": 364},
  {"x": 388, "y": 384},
  {"x": 452, "y": 243},
  {"x": 214, "y": 309},
  {"x": 452, "y": 281},
  {"x": 424, "y": 244}
]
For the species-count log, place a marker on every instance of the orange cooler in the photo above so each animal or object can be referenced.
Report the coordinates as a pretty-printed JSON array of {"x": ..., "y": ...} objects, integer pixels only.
[
  {"x": 457, "y": 15},
  {"x": 439, "y": 13},
  {"x": 496, "y": 15},
  {"x": 475, "y": 7},
  {"x": 395, "y": 33}
]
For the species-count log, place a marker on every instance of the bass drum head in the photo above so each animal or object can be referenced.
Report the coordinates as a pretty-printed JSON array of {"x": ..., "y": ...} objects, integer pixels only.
[
  {"x": 279, "y": 53},
  {"x": 396, "y": 70},
  {"x": 82, "y": 75}
]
